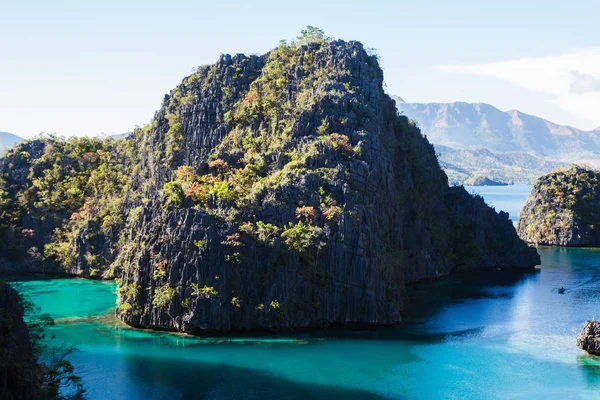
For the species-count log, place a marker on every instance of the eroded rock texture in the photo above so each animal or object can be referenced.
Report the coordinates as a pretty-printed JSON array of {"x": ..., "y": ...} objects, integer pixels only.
[{"x": 304, "y": 200}]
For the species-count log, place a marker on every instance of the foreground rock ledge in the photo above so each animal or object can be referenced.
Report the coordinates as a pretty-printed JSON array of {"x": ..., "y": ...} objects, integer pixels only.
[{"x": 589, "y": 338}]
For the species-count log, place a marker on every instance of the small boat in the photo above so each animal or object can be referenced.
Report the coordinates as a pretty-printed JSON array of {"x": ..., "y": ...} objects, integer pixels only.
[{"x": 561, "y": 290}]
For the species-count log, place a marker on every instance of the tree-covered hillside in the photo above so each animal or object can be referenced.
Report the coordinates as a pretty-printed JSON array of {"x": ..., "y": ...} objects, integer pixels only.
[{"x": 52, "y": 189}]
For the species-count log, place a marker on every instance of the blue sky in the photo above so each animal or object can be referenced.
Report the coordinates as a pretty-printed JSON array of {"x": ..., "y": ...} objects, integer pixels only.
[{"x": 76, "y": 68}]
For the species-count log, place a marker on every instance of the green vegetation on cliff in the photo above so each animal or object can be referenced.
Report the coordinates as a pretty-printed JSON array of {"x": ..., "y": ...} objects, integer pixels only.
[
  {"x": 52, "y": 189},
  {"x": 268, "y": 192},
  {"x": 563, "y": 209}
]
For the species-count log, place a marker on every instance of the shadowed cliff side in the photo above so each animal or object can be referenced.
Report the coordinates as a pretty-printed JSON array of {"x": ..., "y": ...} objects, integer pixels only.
[{"x": 18, "y": 365}]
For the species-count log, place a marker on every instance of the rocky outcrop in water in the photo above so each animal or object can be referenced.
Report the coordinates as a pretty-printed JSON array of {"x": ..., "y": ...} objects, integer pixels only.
[
  {"x": 563, "y": 209},
  {"x": 481, "y": 180},
  {"x": 292, "y": 195},
  {"x": 18, "y": 365},
  {"x": 276, "y": 192},
  {"x": 589, "y": 338}
]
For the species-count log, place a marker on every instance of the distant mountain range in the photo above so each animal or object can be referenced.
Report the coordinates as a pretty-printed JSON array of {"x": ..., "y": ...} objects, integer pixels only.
[
  {"x": 461, "y": 165},
  {"x": 8, "y": 140},
  {"x": 477, "y": 138}
]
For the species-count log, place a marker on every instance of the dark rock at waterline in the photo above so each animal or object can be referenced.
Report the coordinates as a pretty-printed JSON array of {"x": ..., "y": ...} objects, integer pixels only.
[
  {"x": 17, "y": 362},
  {"x": 589, "y": 338}
]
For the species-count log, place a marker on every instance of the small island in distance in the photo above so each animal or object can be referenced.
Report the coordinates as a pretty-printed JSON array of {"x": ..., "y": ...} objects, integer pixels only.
[{"x": 480, "y": 180}]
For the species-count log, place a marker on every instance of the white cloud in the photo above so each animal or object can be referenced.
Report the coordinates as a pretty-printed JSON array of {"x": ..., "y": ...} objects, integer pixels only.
[{"x": 572, "y": 80}]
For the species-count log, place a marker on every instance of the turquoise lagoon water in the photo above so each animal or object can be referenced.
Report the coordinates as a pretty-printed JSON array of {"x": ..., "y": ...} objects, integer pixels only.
[{"x": 493, "y": 335}]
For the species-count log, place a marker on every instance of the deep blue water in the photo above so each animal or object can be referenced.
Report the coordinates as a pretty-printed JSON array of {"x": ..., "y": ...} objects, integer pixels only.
[{"x": 493, "y": 335}]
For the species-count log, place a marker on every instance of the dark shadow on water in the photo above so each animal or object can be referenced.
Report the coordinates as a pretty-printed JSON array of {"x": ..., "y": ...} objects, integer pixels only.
[
  {"x": 426, "y": 298},
  {"x": 180, "y": 379}
]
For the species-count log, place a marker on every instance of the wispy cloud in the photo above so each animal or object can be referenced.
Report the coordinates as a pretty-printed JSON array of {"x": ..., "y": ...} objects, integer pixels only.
[
  {"x": 571, "y": 79},
  {"x": 583, "y": 83}
]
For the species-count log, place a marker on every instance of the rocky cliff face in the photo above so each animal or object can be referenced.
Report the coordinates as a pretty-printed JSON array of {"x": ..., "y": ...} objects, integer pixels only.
[
  {"x": 276, "y": 192},
  {"x": 18, "y": 365},
  {"x": 563, "y": 210},
  {"x": 283, "y": 191}
]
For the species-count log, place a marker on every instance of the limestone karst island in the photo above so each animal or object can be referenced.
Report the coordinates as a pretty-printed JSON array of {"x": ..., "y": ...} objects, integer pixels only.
[{"x": 336, "y": 215}]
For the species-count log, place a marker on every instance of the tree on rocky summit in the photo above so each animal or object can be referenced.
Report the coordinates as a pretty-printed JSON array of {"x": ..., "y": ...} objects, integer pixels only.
[{"x": 312, "y": 34}]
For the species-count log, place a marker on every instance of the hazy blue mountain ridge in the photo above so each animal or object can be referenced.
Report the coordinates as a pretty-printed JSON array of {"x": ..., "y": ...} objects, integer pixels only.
[
  {"x": 479, "y": 125},
  {"x": 459, "y": 165},
  {"x": 477, "y": 139}
]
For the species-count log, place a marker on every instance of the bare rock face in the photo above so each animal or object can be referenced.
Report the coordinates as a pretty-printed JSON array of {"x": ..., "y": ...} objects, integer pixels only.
[
  {"x": 284, "y": 191},
  {"x": 563, "y": 209},
  {"x": 589, "y": 338}
]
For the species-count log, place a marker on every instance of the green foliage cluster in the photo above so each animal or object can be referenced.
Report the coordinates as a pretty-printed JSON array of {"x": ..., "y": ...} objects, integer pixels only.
[
  {"x": 173, "y": 194},
  {"x": 204, "y": 292},
  {"x": 223, "y": 191},
  {"x": 174, "y": 136},
  {"x": 235, "y": 258},
  {"x": 266, "y": 233},
  {"x": 128, "y": 295},
  {"x": 163, "y": 296},
  {"x": 301, "y": 237},
  {"x": 312, "y": 34}
]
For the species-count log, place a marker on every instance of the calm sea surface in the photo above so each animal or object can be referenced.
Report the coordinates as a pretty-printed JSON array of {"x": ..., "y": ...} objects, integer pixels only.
[{"x": 490, "y": 335}]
